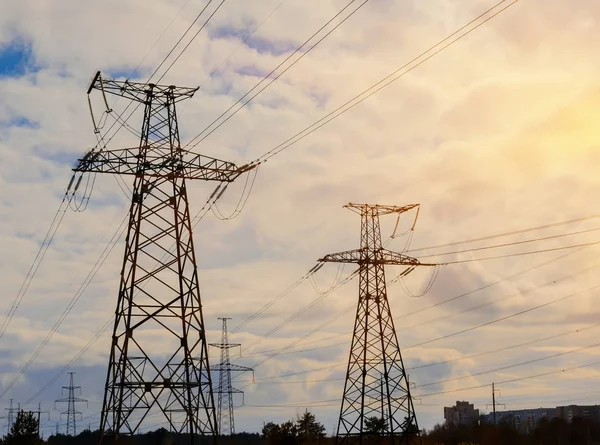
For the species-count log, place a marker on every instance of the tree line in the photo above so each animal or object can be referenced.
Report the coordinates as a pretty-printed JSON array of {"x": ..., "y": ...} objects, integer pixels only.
[{"x": 305, "y": 430}]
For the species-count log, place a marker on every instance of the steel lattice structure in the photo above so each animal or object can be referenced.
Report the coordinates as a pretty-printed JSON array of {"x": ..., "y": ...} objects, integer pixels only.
[
  {"x": 70, "y": 400},
  {"x": 376, "y": 405},
  {"x": 225, "y": 391},
  {"x": 159, "y": 298}
]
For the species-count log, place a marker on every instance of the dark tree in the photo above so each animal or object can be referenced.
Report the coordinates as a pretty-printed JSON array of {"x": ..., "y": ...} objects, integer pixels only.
[
  {"x": 271, "y": 432},
  {"x": 308, "y": 428},
  {"x": 375, "y": 425},
  {"x": 24, "y": 431}
]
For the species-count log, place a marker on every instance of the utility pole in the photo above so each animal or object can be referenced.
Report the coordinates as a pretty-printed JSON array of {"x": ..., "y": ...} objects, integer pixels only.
[
  {"x": 494, "y": 402},
  {"x": 71, "y": 400},
  {"x": 225, "y": 391},
  {"x": 375, "y": 351},
  {"x": 159, "y": 296},
  {"x": 39, "y": 412}
]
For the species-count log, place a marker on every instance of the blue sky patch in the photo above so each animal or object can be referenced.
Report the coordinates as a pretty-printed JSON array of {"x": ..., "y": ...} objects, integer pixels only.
[
  {"x": 21, "y": 122},
  {"x": 253, "y": 71},
  {"x": 16, "y": 59},
  {"x": 263, "y": 46},
  {"x": 60, "y": 158},
  {"x": 223, "y": 32}
]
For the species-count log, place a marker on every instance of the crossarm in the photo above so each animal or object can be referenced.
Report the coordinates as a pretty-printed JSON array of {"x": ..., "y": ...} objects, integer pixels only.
[
  {"x": 160, "y": 163},
  {"x": 230, "y": 367},
  {"x": 380, "y": 256},
  {"x": 138, "y": 91}
]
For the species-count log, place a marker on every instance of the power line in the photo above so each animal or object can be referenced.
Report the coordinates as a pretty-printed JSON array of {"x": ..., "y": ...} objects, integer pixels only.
[
  {"x": 199, "y": 137},
  {"x": 193, "y": 37},
  {"x": 405, "y": 69},
  {"x": 496, "y": 320},
  {"x": 160, "y": 38},
  {"x": 119, "y": 118},
  {"x": 514, "y": 243},
  {"x": 531, "y": 252},
  {"x": 508, "y": 297},
  {"x": 199, "y": 216},
  {"x": 472, "y": 328},
  {"x": 512, "y": 232},
  {"x": 514, "y": 365},
  {"x": 304, "y": 309},
  {"x": 99, "y": 262},
  {"x": 517, "y": 379},
  {"x": 37, "y": 261},
  {"x": 275, "y": 299},
  {"x": 465, "y": 294},
  {"x": 243, "y": 42},
  {"x": 426, "y": 365}
]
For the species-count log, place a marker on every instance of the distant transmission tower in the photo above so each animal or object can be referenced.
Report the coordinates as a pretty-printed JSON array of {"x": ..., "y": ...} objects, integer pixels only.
[
  {"x": 225, "y": 419},
  {"x": 71, "y": 400},
  {"x": 10, "y": 417},
  {"x": 158, "y": 295},
  {"x": 376, "y": 401}
]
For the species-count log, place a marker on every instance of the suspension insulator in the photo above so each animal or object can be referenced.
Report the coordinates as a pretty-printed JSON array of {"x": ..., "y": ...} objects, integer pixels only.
[
  {"x": 71, "y": 182},
  {"x": 214, "y": 192},
  {"x": 222, "y": 191},
  {"x": 78, "y": 182}
]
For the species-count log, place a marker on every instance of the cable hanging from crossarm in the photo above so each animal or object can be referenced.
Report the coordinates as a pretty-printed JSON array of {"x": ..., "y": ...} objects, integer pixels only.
[{"x": 242, "y": 201}]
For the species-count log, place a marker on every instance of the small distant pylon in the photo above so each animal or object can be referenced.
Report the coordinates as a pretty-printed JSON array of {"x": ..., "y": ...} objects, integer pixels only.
[
  {"x": 71, "y": 400},
  {"x": 10, "y": 417},
  {"x": 225, "y": 392}
]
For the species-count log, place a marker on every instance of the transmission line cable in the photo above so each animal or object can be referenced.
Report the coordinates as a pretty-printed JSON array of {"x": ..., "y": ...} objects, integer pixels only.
[
  {"x": 514, "y": 243},
  {"x": 193, "y": 37},
  {"x": 531, "y": 252},
  {"x": 513, "y": 380},
  {"x": 159, "y": 39},
  {"x": 203, "y": 134},
  {"x": 92, "y": 273},
  {"x": 120, "y": 116},
  {"x": 496, "y": 320},
  {"x": 494, "y": 370},
  {"x": 503, "y": 299},
  {"x": 37, "y": 261},
  {"x": 457, "y": 297},
  {"x": 444, "y": 362},
  {"x": 243, "y": 42},
  {"x": 405, "y": 69},
  {"x": 510, "y": 233},
  {"x": 303, "y": 310},
  {"x": 511, "y": 366},
  {"x": 105, "y": 253}
]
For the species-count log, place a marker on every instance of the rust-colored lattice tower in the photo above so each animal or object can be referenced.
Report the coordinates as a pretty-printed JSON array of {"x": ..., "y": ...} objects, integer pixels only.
[
  {"x": 158, "y": 359},
  {"x": 376, "y": 405}
]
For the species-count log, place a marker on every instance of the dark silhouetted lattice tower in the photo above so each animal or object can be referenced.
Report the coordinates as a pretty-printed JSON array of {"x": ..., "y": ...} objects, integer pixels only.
[
  {"x": 225, "y": 391},
  {"x": 376, "y": 384},
  {"x": 158, "y": 359},
  {"x": 71, "y": 400},
  {"x": 10, "y": 416}
]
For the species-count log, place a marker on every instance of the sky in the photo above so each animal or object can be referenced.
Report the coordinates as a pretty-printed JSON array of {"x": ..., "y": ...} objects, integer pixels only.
[{"x": 495, "y": 134}]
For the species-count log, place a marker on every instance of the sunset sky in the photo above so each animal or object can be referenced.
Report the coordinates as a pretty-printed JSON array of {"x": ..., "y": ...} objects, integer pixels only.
[{"x": 497, "y": 133}]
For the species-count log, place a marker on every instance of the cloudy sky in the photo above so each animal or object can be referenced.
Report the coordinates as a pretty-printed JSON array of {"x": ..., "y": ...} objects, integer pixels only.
[{"x": 495, "y": 134}]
